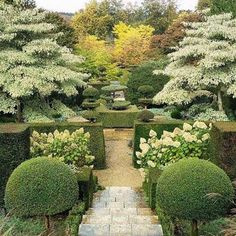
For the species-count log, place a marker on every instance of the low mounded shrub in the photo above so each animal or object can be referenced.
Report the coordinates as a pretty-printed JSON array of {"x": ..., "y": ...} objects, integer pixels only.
[
  {"x": 90, "y": 92},
  {"x": 145, "y": 115},
  {"x": 90, "y": 105},
  {"x": 194, "y": 189},
  {"x": 146, "y": 90},
  {"x": 120, "y": 105},
  {"x": 41, "y": 186}
]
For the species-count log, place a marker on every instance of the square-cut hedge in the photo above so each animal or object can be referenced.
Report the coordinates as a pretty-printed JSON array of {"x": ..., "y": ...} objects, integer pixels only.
[
  {"x": 222, "y": 150},
  {"x": 97, "y": 143},
  {"x": 86, "y": 186},
  {"x": 14, "y": 149},
  {"x": 117, "y": 119},
  {"x": 142, "y": 129}
]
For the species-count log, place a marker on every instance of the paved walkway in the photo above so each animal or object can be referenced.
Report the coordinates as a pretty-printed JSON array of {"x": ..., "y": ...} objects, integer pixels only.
[{"x": 119, "y": 210}]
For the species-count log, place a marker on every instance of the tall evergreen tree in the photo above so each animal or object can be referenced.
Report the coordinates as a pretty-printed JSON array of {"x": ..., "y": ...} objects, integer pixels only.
[{"x": 32, "y": 64}]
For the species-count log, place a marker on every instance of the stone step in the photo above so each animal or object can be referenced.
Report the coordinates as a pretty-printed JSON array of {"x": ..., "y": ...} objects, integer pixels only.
[
  {"x": 121, "y": 230},
  {"x": 120, "y": 211},
  {"x": 119, "y": 219}
]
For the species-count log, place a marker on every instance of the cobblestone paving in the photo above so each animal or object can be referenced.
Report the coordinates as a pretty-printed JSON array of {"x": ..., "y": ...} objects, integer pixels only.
[{"x": 120, "y": 211}]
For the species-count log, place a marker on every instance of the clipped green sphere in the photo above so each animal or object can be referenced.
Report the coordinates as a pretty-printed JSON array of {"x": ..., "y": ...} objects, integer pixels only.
[
  {"x": 146, "y": 90},
  {"x": 90, "y": 92},
  {"x": 194, "y": 189},
  {"x": 145, "y": 115},
  {"x": 41, "y": 186}
]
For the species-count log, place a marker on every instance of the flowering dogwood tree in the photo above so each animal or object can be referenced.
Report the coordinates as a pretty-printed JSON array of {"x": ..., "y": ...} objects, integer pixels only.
[
  {"x": 32, "y": 64},
  {"x": 203, "y": 64}
]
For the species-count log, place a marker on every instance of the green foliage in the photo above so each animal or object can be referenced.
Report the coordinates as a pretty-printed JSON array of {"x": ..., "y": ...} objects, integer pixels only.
[
  {"x": 72, "y": 149},
  {"x": 121, "y": 105},
  {"x": 176, "y": 114},
  {"x": 145, "y": 115},
  {"x": 206, "y": 188},
  {"x": 223, "y": 6},
  {"x": 191, "y": 141},
  {"x": 30, "y": 54},
  {"x": 117, "y": 119},
  {"x": 90, "y": 105},
  {"x": 74, "y": 219},
  {"x": 212, "y": 115},
  {"x": 86, "y": 185},
  {"x": 90, "y": 115},
  {"x": 41, "y": 186},
  {"x": 40, "y": 111},
  {"x": 14, "y": 149},
  {"x": 66, "y": 33},
  {"x": 15, "y": 226},
  {"x": 96, "y": 144},
  {"x": 146, "y": 90},
  {"x": 204, "y": 4},
  {"x": 90, "y": 93},
  {"x": 143, "y": 75},
  {"x": 113, "y": 88}
]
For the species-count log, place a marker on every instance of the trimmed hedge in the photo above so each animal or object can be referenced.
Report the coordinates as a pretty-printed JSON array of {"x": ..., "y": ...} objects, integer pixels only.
[
  {"x": 150, "y": 186},
  {"x": 117, "y": 119},
  {"x": 42, "y": 186},
  {"x": 142, "y": 129},
  {"x": 97, "y": 143},
  {"x": 86, "y": 185},
  {"x": 222, "y": 150},
  {"x": 14, "y": 149}
]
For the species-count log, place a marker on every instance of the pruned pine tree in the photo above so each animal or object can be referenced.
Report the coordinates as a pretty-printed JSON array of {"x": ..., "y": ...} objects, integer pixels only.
[
  {"x": 32, "y": 64},
  {"x": 203, "y": 64}
]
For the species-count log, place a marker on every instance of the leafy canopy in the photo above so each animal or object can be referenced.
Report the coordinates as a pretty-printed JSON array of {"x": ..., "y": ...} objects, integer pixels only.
[
  {"x": 203, "y": 64},
  {"x": 31, "y": 62}
]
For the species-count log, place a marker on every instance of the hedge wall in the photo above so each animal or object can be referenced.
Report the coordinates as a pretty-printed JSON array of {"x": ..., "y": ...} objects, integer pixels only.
[
  {"x": 97, "y": 143},
  {"x": 117, "y": 119},
  {"x": 142, "y": 129},
  {"x": 14, "y": 149},
  {"x": 222, "y": 150}
]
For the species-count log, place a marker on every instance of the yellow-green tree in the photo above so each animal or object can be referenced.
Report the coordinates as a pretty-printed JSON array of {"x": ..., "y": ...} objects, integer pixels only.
[{"x": 132, "y": 44}]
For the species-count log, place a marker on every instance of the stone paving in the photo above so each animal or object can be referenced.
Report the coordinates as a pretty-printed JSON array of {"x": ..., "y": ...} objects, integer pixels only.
[{"x": 120, "y": 211}]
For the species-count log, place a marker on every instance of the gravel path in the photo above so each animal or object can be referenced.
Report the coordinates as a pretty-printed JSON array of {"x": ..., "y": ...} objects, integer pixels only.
[{"x": 120, "y": 171}]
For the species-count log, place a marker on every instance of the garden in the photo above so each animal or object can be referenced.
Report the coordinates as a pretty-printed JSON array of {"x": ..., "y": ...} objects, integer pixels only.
[{"x": 119, "y": 119}]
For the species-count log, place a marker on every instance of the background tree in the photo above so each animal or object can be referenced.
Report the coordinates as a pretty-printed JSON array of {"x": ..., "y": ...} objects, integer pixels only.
[
  {"x": 175, "y": 33},
  {"x": 32, "y": 63},
  {"x": 159, "y": 14},
  {"x": 132, "y": 44},
  {"x": 204, "y": 64},
  {"x": 66, "y": 36},
  {"x": 221, "y": 6},
  {"x": 203, "y": 4},
  {"x": 22, "y": 3}
]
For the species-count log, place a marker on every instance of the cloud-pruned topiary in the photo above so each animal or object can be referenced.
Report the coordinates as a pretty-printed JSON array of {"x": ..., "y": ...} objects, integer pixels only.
[
  {"x": 90, "y": 93},
  {"x": 41, "y": 186},
  {"x": 145, "y": 115},
  {"x": 194, "y": 189},
  {"x": 146, "y": 90}
]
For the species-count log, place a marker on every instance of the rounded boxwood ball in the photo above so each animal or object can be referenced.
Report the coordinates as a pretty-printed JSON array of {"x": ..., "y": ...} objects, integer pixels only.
[
  {"x": 194, "y": 189},
  {"x": 145, "y": 115},
  {"x": 41, "y": 186},
  {"x": 90, "y": 92}
]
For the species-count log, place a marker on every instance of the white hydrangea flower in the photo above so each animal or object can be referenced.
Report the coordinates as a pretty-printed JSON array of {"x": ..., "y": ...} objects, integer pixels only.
[
  {"x": 143, "y": 140},
  {"x": 151, "y": 164},
  {"x": 144, "y": 147},
  {"x": 205, "y": 137},
  {"x": 200, "y": 125},
  {"x": 167, "y": 141},
  {"x": 138, "y": 154},
  {"x": 187, "y": 127},
  {"x": 189, "y": 137},
  {"x": 152, "y": 133}
]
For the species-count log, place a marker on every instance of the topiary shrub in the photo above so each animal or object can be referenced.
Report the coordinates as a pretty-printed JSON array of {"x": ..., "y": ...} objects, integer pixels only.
[
  {"x": 90, "y": 105},
  {"x": 145, "y": 115},
  {"x": 176, "y": 114},
  {"x": 90, "y": 115},
  {"x": 143, "y": 75},
  {"x": 90, "y": 93},
  {"x": 41, "y": 186},
  {"x": 194, "y": 189},
  {"x": 146, "y": 90},
  {"x": 120, "y": 105}
]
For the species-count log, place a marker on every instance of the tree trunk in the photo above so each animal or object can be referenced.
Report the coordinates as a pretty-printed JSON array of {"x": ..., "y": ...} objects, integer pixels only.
[
  {"x": 19, "y": 112},
  {"x": 220, "y": 102},
  {"x": 47, "y": 223},
  {"x": 194, "y": 231}
]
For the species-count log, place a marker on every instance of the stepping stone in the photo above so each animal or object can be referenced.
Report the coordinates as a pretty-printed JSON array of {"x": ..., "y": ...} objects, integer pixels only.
[
  {"x": 120, "y": 229},
  {"x": 146, "y": 230}
]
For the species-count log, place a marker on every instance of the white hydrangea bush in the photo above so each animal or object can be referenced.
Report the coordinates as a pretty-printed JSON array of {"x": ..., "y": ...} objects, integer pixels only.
[
  {"x": 204, "y": 64},
  {"x": 71, "y": 148},
  {"x": 190, "y": 141},
  {"x": 32, "y": 64}
]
